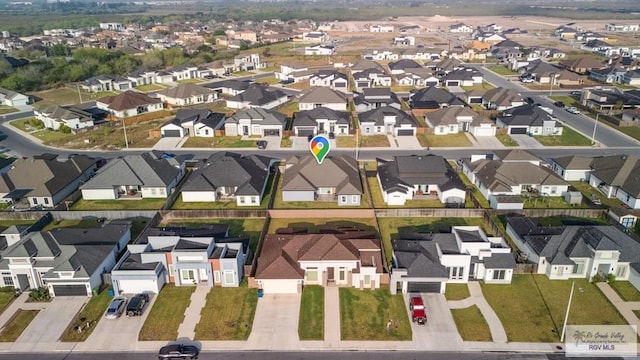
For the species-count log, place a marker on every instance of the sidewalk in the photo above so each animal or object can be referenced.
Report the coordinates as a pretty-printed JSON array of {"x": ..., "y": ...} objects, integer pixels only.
[
  {"x": 498, "y": 334},
  {"x": 192, "y": 314},
  {"x": 331, "y": 316}
]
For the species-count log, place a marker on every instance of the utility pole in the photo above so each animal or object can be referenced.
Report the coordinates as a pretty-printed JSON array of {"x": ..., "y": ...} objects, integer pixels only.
[
  {"x": 566, "y": 316},
  {"x": 593, "y": 136},
  {"x": 79, "y": 93},
  {"x": 124, "y": 127}
]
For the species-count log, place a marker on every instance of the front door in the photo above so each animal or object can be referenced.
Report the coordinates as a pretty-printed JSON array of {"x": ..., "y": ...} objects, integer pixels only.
[
  {"x": 203, "y": 275},
  {"x": 330, "y": 275},
  {"x": 23, "y": 281},
  {"x": 245, "y": 130}
]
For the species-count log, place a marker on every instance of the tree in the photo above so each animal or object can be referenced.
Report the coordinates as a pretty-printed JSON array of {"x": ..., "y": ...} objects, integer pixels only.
[
  {"x": 219, "y": 32},
  {"x": 204, "y": 49},
  {"x": 266, "y": 52},
  {"x": 244, "y": 46}
]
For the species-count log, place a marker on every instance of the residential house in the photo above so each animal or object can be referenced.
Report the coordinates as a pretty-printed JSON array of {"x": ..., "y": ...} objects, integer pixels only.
[
  {"x": 365, "y": 64},
  {"x": 387, "y": 120},
  {"x": 255, "y": 121},
  {"x": 336, "y": 180},
  {"x": 582, "y": 252},
  {"x": 142, "y": 77},
  {"x": 381, "y": 28},
  {"x": 610, "y": 98},
  {"x": 529, "y": 119},
  {"x": 315, "y": 36},
  {"x": 631, "y": 117},
  {"x": 145, "y": 176},
  {"x": 401, "y": 66},
  {"x": 582, "y": 65},
  {"x": 597, "y": 46},
  {"x": 258, "y": 96},
  {"x": 381, "y": 55},
  {"x": 460, "y": 28},
  {"x": 427, "y": 262},
  {"x": 229, "y": 87},
  {"x": 453, "y": 120},
  {"x": 229, "y": 177},
  {"x": 320, "y": 49},
  {"x": 98, "y": 84},
  {"x": 370, "y": 78},
  {"x": 129, "y": 103},
  {"x": 415, "y": 53},
  {"x": 374, "y": 98},
  {"x": 624, "y": 62},
  {"x": 506, "y": 50},
  {"x": 323, "y": 97},
  {"x": 185, "y": 257},
  {"x": 466, "y": 54},
  {"x": 501, "y": 99},
  {"x": 43, "y": 181},
  {"x": 616, "y": 176},
  {"x": 463, "y": 77},
  {"x": 565, "y": 32},
  {"x": 75, "y": 117},
  {"x": 321, "y": 120},
  {"x": 66, "y": 261},
  {"x": 186, "y": 94},
  {"x": 249, "y": 62},
  {"x": 632, "y": 77},
  {"x": 12, "y": 98},
  {"x": 293, "y": 71},
  {"x": 432, "y": 98},
  {"x": 330, "y": 78},
  {"x": 404, "y": 40},
  {"x": 420, "y": 177},
  {"x": 193, "y": 122},
  {"x": 418, "y": 77},
  {"x": 622, "y": 27},
  {"x": 444, "y": 66},
  {"x": 608, "y": 75},
  {"x": 572, "y": 167},
  {"x": 344, "y": 257}
]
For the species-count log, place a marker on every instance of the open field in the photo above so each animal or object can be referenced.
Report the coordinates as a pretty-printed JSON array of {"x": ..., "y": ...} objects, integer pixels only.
[{"x": 65, "y": 96}]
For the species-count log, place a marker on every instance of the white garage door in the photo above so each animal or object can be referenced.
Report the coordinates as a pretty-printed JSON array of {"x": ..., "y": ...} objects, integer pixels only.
[
  {"x": 280, "y": 286},
  {"x": 139, "y": 286},
  {"x": 484, "y": 131}
]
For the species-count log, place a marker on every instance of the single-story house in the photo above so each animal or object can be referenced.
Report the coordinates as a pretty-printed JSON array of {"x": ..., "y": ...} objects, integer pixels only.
[
  {"x": 387, "y": 120},
  {"x": 12, "y": 98},
  {"x": 431, "y": 98},
  {"x": 321, "y": 120},
  {"x": 186, "y": 94},
  {"x": 129, "y": 103},
  {"x": 453, "y": 120},
  {"x": 258, "y": 96},
  {"x": 501, "y": 99},
  {"x": 75, "y": 117},
  {"x": 323, "y": 97},
  {"x": 255, "y": 121},
  {"x": 616, "y": 176},
  {"x": 193, "y": 122},
  {"x": 529, "y": 119},
  {"x": 373, "y": 98}
]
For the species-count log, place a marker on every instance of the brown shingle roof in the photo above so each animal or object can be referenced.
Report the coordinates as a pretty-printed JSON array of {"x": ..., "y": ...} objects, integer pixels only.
[{"x": 127, "y": 100}]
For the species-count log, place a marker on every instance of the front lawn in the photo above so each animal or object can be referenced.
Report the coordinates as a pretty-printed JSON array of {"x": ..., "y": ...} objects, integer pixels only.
[
  {"x": 532, "y": 308},
  {"x": 567, "y": 100},
  {"x": 7, "y": 295},
  {"x": 91, "y": 313},
  {"x": 7, "y": 109},
  {"x": 457, "y": 292},
  {"x": 501, "y": 70},
  {"x": 345, "y": 141},
  {"x": 16, "y": 325},
  {"x": 391, "y": 226},
  {"x": 626, "y": 291},
  {"x": 569, "y": 137},
  {"x": 137, "y": 204},
  {"x": 373, "y": 315},
  {"x": 312, "y": 224},
  {"x": 311, "y": 321},
  {"x": 249, "y": 227},
  {"x": 374, "y": 141},
  {"x": 149, "y": 87},
  {"x": 452, "y": 140},
  {"x": 228, "y": 314},
  {"x": 167, "y": 313},
  {"x": 471, "y": 325},
  {"x": 219, "y": 142},
  {"x": 506, "y": 140}
]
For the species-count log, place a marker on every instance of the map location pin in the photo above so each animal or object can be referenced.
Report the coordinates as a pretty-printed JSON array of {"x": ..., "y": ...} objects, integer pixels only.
[{"x": 319, "y": 146}]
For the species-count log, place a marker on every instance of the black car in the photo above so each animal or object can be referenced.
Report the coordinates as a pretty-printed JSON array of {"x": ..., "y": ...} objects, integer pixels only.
[
  {"x": 136, "y": 304},
  {"x": 309, "y": 137},
  {"x": 262, "y": 144},
  {"x": 529, "y": 100},
  {"x": 559, "y": 104},
  {"x": 178, "y": 351}
]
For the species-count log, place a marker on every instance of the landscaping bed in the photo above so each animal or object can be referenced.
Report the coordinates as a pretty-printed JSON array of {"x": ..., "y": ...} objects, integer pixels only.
[{"x": 311, "y": 321}]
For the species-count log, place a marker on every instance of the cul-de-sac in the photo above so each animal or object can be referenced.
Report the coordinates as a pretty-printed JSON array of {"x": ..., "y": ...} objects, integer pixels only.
[{"x": 187, "y": 179}]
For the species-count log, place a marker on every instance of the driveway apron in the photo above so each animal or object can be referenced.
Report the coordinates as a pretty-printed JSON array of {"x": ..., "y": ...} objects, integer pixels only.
[{"x": 275, "y": 325}]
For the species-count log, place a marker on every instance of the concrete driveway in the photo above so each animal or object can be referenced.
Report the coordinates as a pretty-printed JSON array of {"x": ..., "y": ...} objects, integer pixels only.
[
  {"x": 167, "y": 143},
  {"x": 275, "y": 325},
  {"x": 440, "y": 332},
  {"x": 119, "y": 334},
  {"x": 51, "y": 321},
  {"x": 489, "y": 142},
  {"x": 527, "y": 142},
  {"x": 299, "y": 143},
  {"x": 405, "y": 142}
]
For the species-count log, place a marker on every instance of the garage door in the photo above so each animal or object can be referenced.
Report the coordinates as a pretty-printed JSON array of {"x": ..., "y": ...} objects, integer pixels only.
[
  {"x": 431, "y": 83},
  {"x": 69, "y": 290},
  {"x": 139, "y": 286},
  {"x": 426, "y": 287},
  {"x": 519, "y": 130},
  {"x": 475, "y": 100},
  {"x": 279, "y": 286},
  {"x": 453, "y": 83},
  {"x": 272, "y": 132},
  {"x": 405, "y": 132},
  {"x": 305, "y": 132},
  {"x": 484, "y": 131},
  {"x": 172, "y": 133}
]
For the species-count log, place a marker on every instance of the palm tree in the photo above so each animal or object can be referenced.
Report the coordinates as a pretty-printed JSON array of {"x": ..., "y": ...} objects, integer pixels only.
[{"x": 579, "y": 336}]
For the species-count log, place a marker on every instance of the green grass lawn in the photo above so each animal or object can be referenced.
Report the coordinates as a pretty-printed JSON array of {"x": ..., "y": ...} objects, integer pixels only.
[
  {"x": 137, "y": 204},
  {"x": 137, "y": 224},
  {"x": 483, "y": 86},
  {"x": 167, "y": 313},
  {"x": 312, "y": 224},
  {"x": 569, "y": 137},
  {"x": 7, "y": 109},
  {"x": 311, "y": 321},
  {"x": 4, "y": 224},
  {"x": 364, "y": 315},
  {"x": 475, "y": 192},
  {"x": 471, "y": 325},
  {"x": 374, "y": 141},
  {"x": 91, "y": 313},
  {"x": 64, "y": 96},
  {"x": 567, "y": 100},
  {"x": 532, "y": 308},
  {"x": 378, "y": 200},
  {"x": 250, "y": 227},
  {"x": 453, "y": 140},
  {"x": 501, "y": 70},
  {"x": 228, "y": 314},
  {"x": 506, "y": 140},
  {"x": 587, "y": 191},
  {"x": 220, "y": 142},
  {"x": 289, "y": 108},
  {"x": 190, "y": 81},
  {"x": 345, "y": 141},
  {"x": 626, "y": 291},
  {"x": 16, "y": 325},
  {"x": 149, "y": 87},
  {"x": 632, "y": 131},
  {"x": 7, "y": 295},
  {"x": 457, "y": 292},
  {"x": 243, "y": 73},
  {"x": 549, "y": 202},
  {"x": 391, "y": 226}
]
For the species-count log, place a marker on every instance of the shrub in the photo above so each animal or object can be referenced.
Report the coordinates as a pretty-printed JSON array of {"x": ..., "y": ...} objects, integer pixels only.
[
  {"x": 36, "y": 123},
  {"x": 40, "y": 294},
  {"x": 596, "y": 278},
  {"x": 611, "y": 278},
  {"x": 65, "y": 129}
]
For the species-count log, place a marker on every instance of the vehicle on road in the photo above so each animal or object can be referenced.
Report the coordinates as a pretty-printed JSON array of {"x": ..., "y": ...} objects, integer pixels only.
[
  {"x": 418, "y": 314},
  {"x": 576, "y": 93},
  {"x": 178, "y": 351},
  {"x": 527, "y": 80},
  {"x": 559, "y": 104},
  {"x": 262, "y": 144},
  {"x": 137, "y": 304},
  {"x": 573, "y": 110},
  {"x": 116, "y": 308}
]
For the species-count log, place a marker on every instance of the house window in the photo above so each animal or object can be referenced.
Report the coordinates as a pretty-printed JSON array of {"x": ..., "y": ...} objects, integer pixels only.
[
  {"x": 7, "y": 278},
  {"x": 229, "y": 278},
  {"x": 367, "y": 279},
  {"x": 206, "y": 131},
  {"x": 456, "y": 272},
  {"x": 621, "y": 272},
  {"x": 46, "y": 201},
  {"x": 578, "y": 268},
  {"x": 498, "y": 274},
  {"x": 153, "y": 191},
  {"x": 242, "y": 201},
  {"x": 343, "y": 199},
  {"x": 35, "y": 201},
  {"x": 188, "y": 275},
  {"x": 161, "y": 191},
  {"x": 312, "y": 274},
  {"x": 628, "y": 222},
  {"x": 341, "y": 274},
  {"x": 253, "y": 200},
  {"x": 354, "y": 199},
  {"x": 216, "y": 276}
]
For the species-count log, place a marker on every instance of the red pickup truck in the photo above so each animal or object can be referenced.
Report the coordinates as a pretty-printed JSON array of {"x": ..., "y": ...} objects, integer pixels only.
[{"x": 418, "y": 314}]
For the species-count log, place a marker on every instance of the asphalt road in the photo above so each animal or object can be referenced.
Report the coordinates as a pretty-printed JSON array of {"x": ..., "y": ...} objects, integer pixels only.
[{"x": 322, "y": 355}]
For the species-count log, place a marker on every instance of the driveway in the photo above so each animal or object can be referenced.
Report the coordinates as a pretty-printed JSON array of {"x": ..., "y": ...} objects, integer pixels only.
[
  {"x": 488, "y": 142},
  {"x": 167, "y": 143},
  {"x": 299, "y": 143},
  {"x": 405, "y": 142},
  {"x": 527, "y": 142},
  {"x": 51, "y": 322},
  {"x": 440, "y": 332},
  {"x": 120, "y": 334},
  {"x": 275, "y": 325}
]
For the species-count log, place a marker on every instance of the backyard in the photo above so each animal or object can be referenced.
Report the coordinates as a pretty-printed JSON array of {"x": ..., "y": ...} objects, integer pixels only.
[
  {"x": 167, "y": 313},
  {"x": 137, "y": 224},
  {"x": 311, "y": 320},
  {"x": 312, "y": 224},
  {"x": 91, "y": 313},
  {"x": 228, "y": 314},
  {"x": 589, "y": 191},
  {"x": 124, "y": 204},
  {"x": 471, "y": 325},
  {"x": 279, "y": 203},
  {"x": 373, "y": 315},
  {"x": 378, "y": 200},
  {"x": 532, "y": 308}
]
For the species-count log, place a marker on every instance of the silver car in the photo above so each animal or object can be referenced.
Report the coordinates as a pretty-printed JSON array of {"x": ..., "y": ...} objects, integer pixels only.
[{"x": 116, "y": 308}]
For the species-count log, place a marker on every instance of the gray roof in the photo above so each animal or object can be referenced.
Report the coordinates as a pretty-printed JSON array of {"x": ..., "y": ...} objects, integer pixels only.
[
  {"x": 258, "y": 95},
  {"x": 500, "y": 176},
  {"x": 143, "y": 170},
  {"x": 622, "y": 171},
  {"x": 404, "y": 64},
  {"x": 185, "y": 90},
  {"x": 502, "y": 96},
  {"x": 433, "y": 98},
  {"x": 574, "y": 162},
  {"x": 378, "y": 115},
  {"x": 529, "y": 114},
  {"x": 306, "y": 174},
  {"x": 197, "y": 116},
  {"x": 310, "y": 117},
  {"x": 455, "y": 115},
  {"x": 407, "y": 171},
  {"x": 258, "y": 116},
  {"x": 323, "y": 95},
  {"x": 365, "y": 64},
  {"x": 500, "y": 261},
  {"x": 226, "y": 169}
]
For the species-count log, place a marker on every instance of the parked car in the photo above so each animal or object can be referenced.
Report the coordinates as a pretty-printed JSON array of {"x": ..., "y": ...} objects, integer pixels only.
[
  {"x": 309, "y": 137},
  {"x": 576, "y": 93},
  {"x": 559, "y": 104},
  {"x": 262, "y": 144},
  {"x": 332, "y": 135},
  {"x": 287, "y": 81},
  {"x": 573, "y": 110},
  {"x": 178, "y": 351},
  {"x": 527, "y": 80},
  {"x": 418, "y": 314},
  {"x": 137, "y": 304},
  {"x": 116, "y": 308},
  {"x": 209, "y": 77}
]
